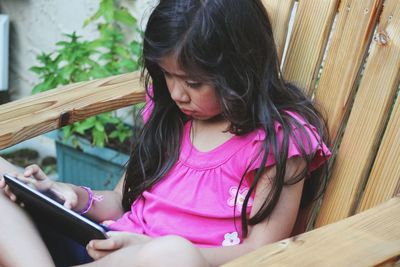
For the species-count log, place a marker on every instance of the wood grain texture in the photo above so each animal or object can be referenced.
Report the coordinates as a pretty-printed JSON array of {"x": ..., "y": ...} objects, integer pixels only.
[
  {"x": 307, "y": 44},
  {"x": 41, "y": 113},
  {"x": 366, "y": 122},
  {"x": 279, "y": 13},
  {"x": 384, "y": 180},
  {"x": 367, "y": 239},
  {"x": 355, "y": 23}
]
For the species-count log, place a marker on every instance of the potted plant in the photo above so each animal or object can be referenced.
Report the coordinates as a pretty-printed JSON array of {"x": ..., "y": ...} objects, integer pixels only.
[{"x": 78, "y": 145}]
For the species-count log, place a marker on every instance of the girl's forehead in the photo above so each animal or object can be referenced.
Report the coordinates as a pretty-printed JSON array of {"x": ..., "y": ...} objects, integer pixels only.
[{"x": 171, "y": 65}]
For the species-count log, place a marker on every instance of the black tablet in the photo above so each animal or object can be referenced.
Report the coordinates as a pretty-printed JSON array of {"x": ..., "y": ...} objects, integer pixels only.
[{"x": 45, "y": 210}]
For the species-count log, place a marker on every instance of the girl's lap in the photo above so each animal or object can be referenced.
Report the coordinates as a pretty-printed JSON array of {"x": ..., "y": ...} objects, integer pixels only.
[{"x": 64, "y": 251}]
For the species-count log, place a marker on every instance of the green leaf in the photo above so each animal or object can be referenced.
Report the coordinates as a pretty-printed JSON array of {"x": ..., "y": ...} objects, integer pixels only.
[
  {"x": 67, "y": 71},
  {"x": 136, "y": 48},
  {"x": 106, "y": 57},
  {"x": 98, "y": 73},
  {"x": 41, "y": 87},
  {"x": 99, "y": 138},
  {"x": 129, "y": 65},
  {"x": 123, "y": 15},
  {"x": 93, "y": 45},
  {"x": 107, "y": 10},
  {"x": 63, "y": 44},
  {"x": 67, "y": 131},
  {"x": 113, "y": 134},
  {"x": 49, "y": 83},
  {"x": 38, "y": 70},
  {"x": 114, "y": 120},
  {"x": 99, "y": 126},
  {"x": 81, "y": 127},
  {"x": 92, "y": 18},
  {"x": 122, "y": 51}
]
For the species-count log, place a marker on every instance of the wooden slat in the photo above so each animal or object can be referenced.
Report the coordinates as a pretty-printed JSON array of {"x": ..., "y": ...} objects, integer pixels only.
[
  {"x": 354, "y": 26},
  {"x": 369, "y": 113},
  {"x": 384, "y": 180},
  {"x": 308, "y": 40},
  {"x": 279, "y": 14},
  {"x": 366, "y": 239},
  {"x": 41, "y": 113}
]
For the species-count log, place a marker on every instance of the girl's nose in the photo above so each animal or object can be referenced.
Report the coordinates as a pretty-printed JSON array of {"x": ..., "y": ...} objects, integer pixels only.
[{"x": 177, "y": 91}]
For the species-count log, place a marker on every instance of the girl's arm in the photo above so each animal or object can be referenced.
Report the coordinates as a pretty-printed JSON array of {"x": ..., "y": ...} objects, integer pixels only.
[
  {"x": 108, "y": 208},
  {"x": 277, "y": 227},
  {"x": 76, "y": 197}
]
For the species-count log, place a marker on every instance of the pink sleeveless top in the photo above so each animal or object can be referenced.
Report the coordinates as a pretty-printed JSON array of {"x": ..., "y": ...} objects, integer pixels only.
[{"x": 196, "y": 199}]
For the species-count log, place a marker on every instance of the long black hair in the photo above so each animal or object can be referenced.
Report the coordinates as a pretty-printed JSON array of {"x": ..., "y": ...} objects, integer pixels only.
[{"x": 230, "y": 44}]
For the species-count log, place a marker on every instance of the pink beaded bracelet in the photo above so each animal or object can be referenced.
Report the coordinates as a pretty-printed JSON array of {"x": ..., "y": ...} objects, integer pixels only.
[{"x": 91, "y": 198}]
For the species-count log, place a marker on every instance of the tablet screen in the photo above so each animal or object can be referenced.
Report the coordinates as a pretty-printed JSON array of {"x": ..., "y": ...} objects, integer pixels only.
[{"x": 45, "y": 210}]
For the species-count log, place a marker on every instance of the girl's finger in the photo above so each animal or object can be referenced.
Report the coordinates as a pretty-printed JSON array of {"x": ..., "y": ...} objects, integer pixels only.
[
  {"x": 67, "y": 204},
  {"x": 97, "y": 254},
  {"x": 106, "y": 244},
  {"x": 26, "y": 180},
  {"x": 10, "y": 194},
  {"x": 127, "y": 238},
  {"x": 2, "y": 183},
  {"x": 36, "y": 171},
  {"x": 58, "y": 195}
]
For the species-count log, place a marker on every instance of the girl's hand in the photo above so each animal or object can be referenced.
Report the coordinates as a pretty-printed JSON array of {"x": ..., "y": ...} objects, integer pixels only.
[
  {"x": 4, "y": 189},
  {"x": 97, "y": 249},
  {"x": 34, "y": 176}
]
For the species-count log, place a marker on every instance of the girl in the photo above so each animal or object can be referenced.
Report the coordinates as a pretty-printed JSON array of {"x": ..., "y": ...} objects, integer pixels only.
[{"x": 228, "y": 154}]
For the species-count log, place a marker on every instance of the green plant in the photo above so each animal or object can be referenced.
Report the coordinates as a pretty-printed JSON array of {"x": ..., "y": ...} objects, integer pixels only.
[{"x": 77, "y": 60}]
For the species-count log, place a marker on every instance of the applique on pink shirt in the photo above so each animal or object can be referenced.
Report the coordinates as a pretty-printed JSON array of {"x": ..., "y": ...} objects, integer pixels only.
[
  {"x": 240, "y": 197},
  {"x": 231, "y": 239}
]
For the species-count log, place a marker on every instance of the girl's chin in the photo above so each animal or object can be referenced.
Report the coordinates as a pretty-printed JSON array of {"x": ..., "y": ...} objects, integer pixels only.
[{"x": 214, "y": 118}]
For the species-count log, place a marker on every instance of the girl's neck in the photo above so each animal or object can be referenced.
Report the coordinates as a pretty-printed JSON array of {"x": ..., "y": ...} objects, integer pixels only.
[
  {"x": 206, "y": 135},
  {"x": 216, "y": 121}
]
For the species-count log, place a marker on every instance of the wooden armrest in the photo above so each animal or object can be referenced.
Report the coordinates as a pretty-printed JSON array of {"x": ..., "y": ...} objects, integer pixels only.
[
  {"x": 34, "y": 115},
  {"x": 369, "y": 238}
]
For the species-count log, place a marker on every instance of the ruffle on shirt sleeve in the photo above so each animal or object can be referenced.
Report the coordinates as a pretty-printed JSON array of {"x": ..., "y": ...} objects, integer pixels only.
[{"x": 309, "y": 139}]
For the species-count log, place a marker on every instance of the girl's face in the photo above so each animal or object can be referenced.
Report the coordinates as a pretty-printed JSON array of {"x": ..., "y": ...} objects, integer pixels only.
[{"x": 194, "y": 97}]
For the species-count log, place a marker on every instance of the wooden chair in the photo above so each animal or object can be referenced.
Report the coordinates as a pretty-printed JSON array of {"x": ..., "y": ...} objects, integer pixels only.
[{"x": 357, "y": 43}]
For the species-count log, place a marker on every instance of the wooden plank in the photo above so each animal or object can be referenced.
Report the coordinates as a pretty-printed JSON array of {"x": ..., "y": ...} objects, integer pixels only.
[
  {"x": 307, "y": 44},
  {"x": 367, "y": 119},
  {"x": 366, "y": 239},
  {"x": 41, "y": 113},
  {"x": 384, "y": 180},
  {"x": 279, "y": 13},
  {"x": 355, "y": 23}
]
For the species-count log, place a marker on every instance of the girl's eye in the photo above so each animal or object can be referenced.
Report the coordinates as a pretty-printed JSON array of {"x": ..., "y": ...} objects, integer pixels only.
[{"x": 194, "y": 85}]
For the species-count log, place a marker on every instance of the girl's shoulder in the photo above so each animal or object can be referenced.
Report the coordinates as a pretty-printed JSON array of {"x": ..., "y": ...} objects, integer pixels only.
[{"x": 303, "y": 140}]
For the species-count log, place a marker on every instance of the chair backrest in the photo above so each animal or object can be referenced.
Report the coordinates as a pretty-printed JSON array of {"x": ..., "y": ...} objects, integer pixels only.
[
  {"x": 346, "y": 54},
  {"x": 337, "y": 52}
]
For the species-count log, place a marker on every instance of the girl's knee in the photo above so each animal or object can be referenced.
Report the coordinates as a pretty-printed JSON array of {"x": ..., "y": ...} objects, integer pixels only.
[{"x": 171, "y": 251}]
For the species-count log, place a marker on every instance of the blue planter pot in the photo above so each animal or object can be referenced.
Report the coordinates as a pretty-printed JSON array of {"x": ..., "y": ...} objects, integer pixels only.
[{"x": 97, "y": 168}]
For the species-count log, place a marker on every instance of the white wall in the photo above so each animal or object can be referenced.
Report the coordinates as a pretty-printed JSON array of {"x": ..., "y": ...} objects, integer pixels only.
[{"x": 36, "y": 25}]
